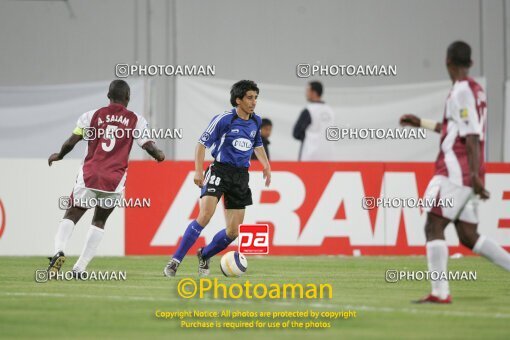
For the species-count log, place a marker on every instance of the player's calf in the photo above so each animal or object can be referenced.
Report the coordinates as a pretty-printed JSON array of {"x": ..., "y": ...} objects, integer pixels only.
[
  {"x": 435, "y": 226},
  {"x": 493, "y": 252},
  {"x": 219, "y": 242},
  {"x": 232, "y": 233}
]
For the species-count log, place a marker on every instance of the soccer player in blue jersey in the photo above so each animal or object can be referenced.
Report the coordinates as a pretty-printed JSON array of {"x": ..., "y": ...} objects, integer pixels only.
[{"x": 231, "y": 137}]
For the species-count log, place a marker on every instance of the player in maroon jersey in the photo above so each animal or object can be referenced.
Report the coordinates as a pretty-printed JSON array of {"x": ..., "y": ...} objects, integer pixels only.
[
  {"x": 109, "y": 132},
  {"x": 459, "y": 172}
]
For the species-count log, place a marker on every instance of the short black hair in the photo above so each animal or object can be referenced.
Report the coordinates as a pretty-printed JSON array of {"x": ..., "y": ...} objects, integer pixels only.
[
  {"x": 119, "y": 90},
  {"x": 316, "y": 87},
  {"x": 459, "y": 54},
  {"x": 266, "y": 122},
  {"x": 240, "y": 88}
]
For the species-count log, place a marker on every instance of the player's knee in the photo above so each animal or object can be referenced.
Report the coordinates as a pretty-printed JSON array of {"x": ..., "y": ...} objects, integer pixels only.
[
  {"x": 70, "y": 216},
  {"x": 73, "y": 214},
  {"x": 466, "y": 241},
  {"x": 98, "y": 223},
  {"x": 430, "y": 231},
  {"x": 434, "y": 229}
]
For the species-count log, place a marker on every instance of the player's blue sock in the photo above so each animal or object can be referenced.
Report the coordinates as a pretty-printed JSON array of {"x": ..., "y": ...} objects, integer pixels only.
[
  {"x": 188, "y": 239},
  {"x": 220, "y": 241}
]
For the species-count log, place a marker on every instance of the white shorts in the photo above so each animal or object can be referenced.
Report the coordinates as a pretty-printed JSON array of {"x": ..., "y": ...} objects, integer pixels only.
[
  {"x": 457, "y": 202},
  {"x": 89, "y": 198}
]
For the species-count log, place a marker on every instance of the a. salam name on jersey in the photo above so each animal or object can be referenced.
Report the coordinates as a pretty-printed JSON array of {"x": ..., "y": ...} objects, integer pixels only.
[
  {"x": 242, "y": 144},
  {"x": 115, "y": 119}
]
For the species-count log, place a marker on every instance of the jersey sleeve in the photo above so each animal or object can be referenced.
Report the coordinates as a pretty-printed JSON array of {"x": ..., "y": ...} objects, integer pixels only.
[
  {"x": 258, "y": 137},
  {"x": 304, "y": 120},
  {"x": 214, "y": 131},
  {"x": 467, "y": 114},
  {"x": 143, "y": 132},
  {"x": 83, "y": 122}
]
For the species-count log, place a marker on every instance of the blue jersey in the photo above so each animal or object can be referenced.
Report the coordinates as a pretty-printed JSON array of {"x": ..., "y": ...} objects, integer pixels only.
[{"x": 231, "y": 139}]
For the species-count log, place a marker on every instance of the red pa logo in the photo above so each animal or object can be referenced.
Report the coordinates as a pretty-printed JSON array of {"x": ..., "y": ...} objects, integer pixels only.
[{"x": 254, "y": 239}]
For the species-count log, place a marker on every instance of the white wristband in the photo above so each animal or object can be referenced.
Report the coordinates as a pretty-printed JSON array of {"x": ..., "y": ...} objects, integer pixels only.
[{"x": 428, "y": 124}]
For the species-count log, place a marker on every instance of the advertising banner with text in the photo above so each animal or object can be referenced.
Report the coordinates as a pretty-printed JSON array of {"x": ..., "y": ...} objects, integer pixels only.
[{"x": 312, "y": 208}]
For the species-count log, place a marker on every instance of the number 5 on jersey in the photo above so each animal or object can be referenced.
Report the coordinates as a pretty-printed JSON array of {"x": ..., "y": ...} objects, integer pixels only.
[{"x": 109, "y": 135}]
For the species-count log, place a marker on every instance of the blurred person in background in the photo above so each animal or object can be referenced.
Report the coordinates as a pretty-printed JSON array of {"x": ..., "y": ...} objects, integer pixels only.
[
  {"x": 311, "y": 126},
  {"x": 265, "y": 132}
]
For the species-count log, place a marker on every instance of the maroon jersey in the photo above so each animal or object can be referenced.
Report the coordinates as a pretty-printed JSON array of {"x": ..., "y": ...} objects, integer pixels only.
[
  {"x": 465, "y": 114},
  {"x": 110, "y": 132}
]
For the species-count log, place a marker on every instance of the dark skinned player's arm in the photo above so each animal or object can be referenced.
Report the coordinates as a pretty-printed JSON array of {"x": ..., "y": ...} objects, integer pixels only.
[
  {"x": 65, "y": 149},
  {"x": 154, "y": 151},
  {"x": 429, "y": 124},
  {"x": 414, "y": 121},
  {"x": 473, "y": 155},
  {"x": 438, "y": 127}
]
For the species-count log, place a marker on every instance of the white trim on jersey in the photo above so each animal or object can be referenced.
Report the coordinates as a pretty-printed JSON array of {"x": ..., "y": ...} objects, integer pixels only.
[
  {"x": 85, "y": 119},
  {"x": 207, "y": 175},
  {"x": 213, "y": 124},
  {"x": 462, "y": 119},
  {"x": 79, "y": 179},
  {"x": 107, "y": 192},
  {"x": 211, "y": 149},
  {"x": 221, "y": 142},
  {"x": 218, "y": 157},
  {"x": 450, "y": 158},
  {"x": 122, "y": 183},
  {"x": 470, "y": 123},
  {"x": 142, "y": 125},
  {"x": 215, "y": 120}
]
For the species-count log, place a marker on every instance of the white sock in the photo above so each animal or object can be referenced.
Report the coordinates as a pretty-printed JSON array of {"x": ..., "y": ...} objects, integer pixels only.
[
  {"x": 492, "y": 251},
  {"x": 94, "y": 237},
  {"x": 64, "y": 232},
  {"x": 437, "y": 259}
]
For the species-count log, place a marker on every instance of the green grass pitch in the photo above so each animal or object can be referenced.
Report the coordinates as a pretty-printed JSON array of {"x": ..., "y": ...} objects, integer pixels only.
[{"x": 125, "y": 309}]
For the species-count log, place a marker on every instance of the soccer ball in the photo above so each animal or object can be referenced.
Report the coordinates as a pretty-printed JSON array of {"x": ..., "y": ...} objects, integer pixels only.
[{"x": 233, "y": 264}]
